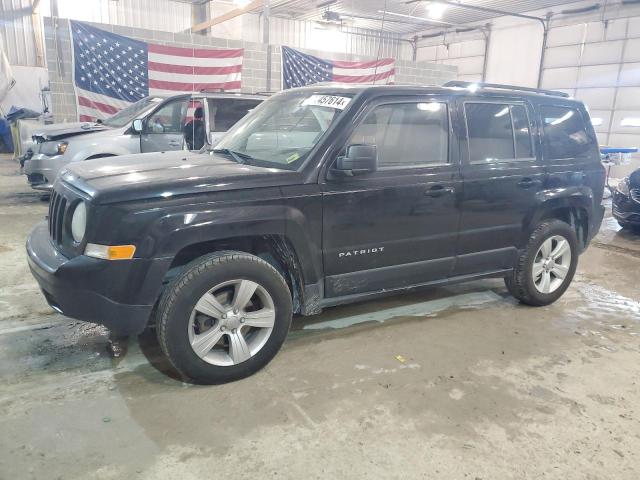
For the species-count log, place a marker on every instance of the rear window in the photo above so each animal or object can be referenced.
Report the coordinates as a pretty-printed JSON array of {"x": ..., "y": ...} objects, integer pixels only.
[{"x": 565, "y": 134}]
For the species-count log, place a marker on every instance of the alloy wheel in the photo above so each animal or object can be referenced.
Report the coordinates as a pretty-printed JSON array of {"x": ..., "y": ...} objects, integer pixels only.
[
  {"x": 231, "y": 322},
  {"x": 551, "y": 264}
]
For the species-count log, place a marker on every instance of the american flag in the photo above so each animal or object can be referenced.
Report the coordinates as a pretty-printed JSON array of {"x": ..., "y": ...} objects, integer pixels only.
[
  {"x": 300, "y": 69},
  {"x": 112, "y": 71}
]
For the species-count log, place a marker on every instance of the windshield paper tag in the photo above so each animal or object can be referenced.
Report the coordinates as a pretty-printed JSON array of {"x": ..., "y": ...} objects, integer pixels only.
[
  {"x": 330, "y": 101},
  {"x": 293, "y": 157}
]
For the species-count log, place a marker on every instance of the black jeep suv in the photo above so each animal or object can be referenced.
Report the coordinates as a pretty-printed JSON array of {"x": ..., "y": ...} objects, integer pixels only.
[{"x": 322, "y": 196}]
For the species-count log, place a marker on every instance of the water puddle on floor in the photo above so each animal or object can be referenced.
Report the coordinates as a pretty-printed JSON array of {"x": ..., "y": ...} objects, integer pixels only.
[
  {"x": 598, "y": 312},
  {"x": 420, "y": 309}
]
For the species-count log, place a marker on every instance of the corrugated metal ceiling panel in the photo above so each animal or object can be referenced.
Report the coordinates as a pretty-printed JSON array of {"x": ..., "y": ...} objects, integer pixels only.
[
  {"x": 365, "y": 13},
  {"x": 16, "y": 31},
  {"x": 165, "y": 15}
]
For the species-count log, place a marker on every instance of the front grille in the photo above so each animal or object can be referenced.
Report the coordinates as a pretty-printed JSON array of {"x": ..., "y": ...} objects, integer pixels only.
[
  {"x": 57, "y": 207},
  {"x": 635, "y": 194}
]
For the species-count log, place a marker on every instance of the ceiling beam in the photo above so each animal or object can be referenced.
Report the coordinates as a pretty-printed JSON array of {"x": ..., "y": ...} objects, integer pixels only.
[{"x": 250, "y": 7}]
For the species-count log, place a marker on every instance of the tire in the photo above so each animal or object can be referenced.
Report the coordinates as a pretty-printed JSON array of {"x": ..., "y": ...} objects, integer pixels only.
[
  {"x": 521, "y": 283},
  {"x": 217, "y": 283}
]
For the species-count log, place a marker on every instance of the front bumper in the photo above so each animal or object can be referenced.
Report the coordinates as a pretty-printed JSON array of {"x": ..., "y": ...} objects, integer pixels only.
[
  {"x": 42, "y": 170},
  {"x": 117, "y": 294},
  {"x": 625, "y": 209}
]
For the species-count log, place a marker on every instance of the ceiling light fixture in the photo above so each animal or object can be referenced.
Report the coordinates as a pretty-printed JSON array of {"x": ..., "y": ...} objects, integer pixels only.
[
  {"x": 436, "y": 10},
  {"x": 430, "y": 107},
  {"x": 563, "y": 118},
  {"x": 420, "y": 19},
  {"x": 630, "y": 122}
]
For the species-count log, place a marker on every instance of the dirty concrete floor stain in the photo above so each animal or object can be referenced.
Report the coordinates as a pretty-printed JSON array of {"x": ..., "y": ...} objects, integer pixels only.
[{"x": 496, "y": 391}]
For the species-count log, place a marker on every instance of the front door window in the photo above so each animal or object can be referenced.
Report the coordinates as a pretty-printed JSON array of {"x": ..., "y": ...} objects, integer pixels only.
[
  {"x": 164, "y": 128},
  {"x": 169, "y": 119}
]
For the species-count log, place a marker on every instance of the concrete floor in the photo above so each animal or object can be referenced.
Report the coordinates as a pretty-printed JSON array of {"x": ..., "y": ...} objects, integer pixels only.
[{"x": 452, "y": 383}]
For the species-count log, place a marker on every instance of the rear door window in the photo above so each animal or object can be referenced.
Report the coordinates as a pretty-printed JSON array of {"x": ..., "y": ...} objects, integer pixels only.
[
  {"x": 521, "y": 131},
  {"x": 224, "y": 113},
  {"x": 498, "y": 132},
  {"x": 490, "y": 132},
  {"x": 565, "y": 134}
]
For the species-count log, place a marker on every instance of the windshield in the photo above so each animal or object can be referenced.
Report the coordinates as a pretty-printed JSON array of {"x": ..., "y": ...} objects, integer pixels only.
[
  {"x": 131, "y": 112},
  {"x": 284, "y": 129}
]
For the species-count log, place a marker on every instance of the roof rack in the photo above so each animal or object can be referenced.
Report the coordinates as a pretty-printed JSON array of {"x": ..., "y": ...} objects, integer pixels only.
[
  {"x": 221, "y": 90},
  {"x": 498, "y": 86}
]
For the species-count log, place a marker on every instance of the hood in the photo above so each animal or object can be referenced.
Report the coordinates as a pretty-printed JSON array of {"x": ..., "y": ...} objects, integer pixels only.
[
  {"x": 169, "y": 174},
  {"x": 58, "y": 131}
]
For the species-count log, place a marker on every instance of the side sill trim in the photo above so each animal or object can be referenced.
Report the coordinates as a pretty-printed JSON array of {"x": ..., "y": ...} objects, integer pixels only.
[{"x": 331, "y": 302}]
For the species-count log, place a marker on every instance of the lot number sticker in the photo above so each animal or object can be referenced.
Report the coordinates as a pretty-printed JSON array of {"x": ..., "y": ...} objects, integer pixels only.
[{"x": 330, "y": 101}]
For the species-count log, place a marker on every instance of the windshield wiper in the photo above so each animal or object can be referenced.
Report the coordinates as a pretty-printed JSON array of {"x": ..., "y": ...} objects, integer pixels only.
[{"x": 239, "y": 157}]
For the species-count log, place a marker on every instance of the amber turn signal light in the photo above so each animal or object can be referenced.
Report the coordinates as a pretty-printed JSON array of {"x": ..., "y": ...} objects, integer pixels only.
[{"x": 110, "y": 252}]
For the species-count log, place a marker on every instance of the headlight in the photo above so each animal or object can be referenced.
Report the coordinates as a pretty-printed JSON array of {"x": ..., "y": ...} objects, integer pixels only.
[
  {"x": 79, "y": 222},
  {"x": 53, "y": 148},
  {"x": 623, "y": 186}
]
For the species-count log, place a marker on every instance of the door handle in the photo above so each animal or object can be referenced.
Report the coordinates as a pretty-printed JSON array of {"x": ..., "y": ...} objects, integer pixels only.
[
  {"x": 439, "y": 191},
  {"x": 527, "y": 182},
  {"x": 174, "y": 143}
]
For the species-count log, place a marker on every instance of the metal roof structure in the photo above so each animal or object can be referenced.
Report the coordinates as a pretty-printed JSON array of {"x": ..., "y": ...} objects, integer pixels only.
[{"x": 403, "y": 17}]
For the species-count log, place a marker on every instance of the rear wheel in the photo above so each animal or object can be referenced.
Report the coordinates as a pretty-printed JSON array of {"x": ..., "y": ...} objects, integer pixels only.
[
  {"x": 546, "y": 266},
  {"x": 224, "y": 317}
]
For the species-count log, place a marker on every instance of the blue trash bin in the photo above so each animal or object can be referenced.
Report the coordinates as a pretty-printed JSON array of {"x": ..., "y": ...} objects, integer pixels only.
[{"x": 6, "y": 142}]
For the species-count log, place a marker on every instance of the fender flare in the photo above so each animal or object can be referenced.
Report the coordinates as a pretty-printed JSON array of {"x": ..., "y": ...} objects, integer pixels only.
[{"x": 579, "y": 198}]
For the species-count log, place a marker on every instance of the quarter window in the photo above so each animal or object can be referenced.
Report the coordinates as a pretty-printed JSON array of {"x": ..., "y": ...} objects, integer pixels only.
[
  {"x": 565, "y": 135},
  {"x": 406, "y": 134}
]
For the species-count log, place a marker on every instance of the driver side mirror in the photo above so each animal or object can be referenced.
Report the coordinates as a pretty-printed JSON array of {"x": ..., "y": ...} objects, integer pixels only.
[
  {"x": 137, "y": 125},
  {"x": 358, "y": 159}
]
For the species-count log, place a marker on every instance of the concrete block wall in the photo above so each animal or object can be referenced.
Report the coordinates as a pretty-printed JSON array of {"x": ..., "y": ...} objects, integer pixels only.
[
  {"x": 58, "y": 54},
  {"x": 424, "y": 73},
  {"x": 254, "y": 69},
  {"x": 464, "y": 50}
]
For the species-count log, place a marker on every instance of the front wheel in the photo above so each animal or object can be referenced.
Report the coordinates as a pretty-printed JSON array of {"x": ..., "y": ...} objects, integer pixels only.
[
  {"x": 224, "y": 317},
  {"x": 546, "y": 266}
]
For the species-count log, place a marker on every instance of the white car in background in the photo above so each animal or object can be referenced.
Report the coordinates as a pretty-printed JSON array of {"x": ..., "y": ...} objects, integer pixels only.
[{"x": 152, "y": 124}]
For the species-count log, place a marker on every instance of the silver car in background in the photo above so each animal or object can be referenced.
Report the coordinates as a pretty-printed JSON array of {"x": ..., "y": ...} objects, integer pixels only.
[{"x": 152, "y": 124}]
